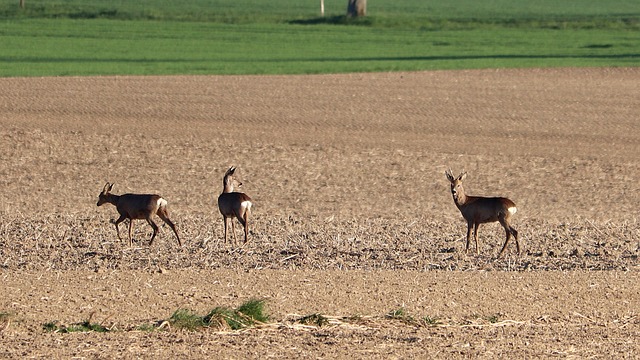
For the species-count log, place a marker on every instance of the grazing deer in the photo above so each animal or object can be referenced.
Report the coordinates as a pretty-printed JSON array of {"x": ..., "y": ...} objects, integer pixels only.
[
  {"x": 234, "y": 205},
  {"x": 137, "y": 206},
  {"x": 478, "y": 210}
]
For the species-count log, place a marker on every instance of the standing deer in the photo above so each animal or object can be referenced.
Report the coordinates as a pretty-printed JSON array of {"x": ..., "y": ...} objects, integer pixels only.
[
  {"x": 234, "y": 205},
  {"x": 137, "y": 206},
  {"x": 478, "y": 210}
]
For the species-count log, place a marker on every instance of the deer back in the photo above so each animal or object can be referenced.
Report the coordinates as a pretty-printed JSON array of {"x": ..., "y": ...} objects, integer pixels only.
[
  {"x": 139, "y": 206},
  {"x": 478, "y": 209},
  {"x": 231, "y": 203}
]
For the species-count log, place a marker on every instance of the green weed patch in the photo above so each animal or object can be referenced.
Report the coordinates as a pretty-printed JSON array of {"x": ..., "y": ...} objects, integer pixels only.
[
  {"x": 249, "y": 314},
  {"x": 84, "y": 326}
]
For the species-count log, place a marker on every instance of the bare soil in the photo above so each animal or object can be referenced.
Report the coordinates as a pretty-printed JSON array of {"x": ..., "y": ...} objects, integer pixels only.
[{"x": 352, "y": 219}]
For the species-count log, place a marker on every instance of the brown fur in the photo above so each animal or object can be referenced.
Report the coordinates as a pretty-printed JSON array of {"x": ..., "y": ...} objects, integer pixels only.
[
  {"x": 137, "y": 206},
  {"x": 234, "y": 205},
  {"x": 478, "y": 210}
]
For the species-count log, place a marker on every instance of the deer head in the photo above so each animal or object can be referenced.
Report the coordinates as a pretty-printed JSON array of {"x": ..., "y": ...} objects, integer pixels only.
[
  {"x": 102, "y": 198},
  {"x": 456, "y": 183},
  {"x": 229, "y": 182}
]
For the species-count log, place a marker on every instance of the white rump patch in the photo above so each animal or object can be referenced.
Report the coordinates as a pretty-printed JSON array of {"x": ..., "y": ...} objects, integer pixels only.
[
  {"x": 162, "y": 202},
  {"x": 512, "y": 210}
]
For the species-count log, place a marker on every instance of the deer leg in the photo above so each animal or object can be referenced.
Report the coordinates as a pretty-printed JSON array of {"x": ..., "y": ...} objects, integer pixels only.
[
  {"x": 243, "y": 221},
  {"x": 233, "y": 230},
  {"x": 505, "y": 224},
  {"x": 475, "y": 236},
  {"x": 162, "y": 213},
  {"x": 224, "y": 220},
  {"x": 155, "y": 229},
  {"x": 246, "y": 227},
  {"x": 469, "y": 227},
  {"x": 116, "y": 223},
  {"x": 130, "y": 225},
  {"x": 515, "y": 235}
]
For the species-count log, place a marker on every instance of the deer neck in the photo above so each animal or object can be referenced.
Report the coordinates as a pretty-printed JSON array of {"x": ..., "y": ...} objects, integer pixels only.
[
  {"x": 227, "y": 186},
  {"x": 460, "y": 198},
  {"x": 113, "y": 199}
]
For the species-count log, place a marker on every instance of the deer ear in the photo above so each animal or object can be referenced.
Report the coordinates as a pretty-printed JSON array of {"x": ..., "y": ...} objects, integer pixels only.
[
  {"x": 462, "y": 176},
  {"x": 449, "y": 175},
  {"x": 110, "y": 187},
  {"x": 231, "y": 170}
]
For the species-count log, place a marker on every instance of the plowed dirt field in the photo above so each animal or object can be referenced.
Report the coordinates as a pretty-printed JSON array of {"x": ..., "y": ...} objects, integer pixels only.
[{"x": 353, "y": 221}]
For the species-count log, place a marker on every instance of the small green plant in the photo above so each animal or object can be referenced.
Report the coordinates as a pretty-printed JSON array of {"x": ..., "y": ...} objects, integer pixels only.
[
  {"x": 50, "y": 326},
  {"x": 186, "y": 319},
  {"x": 254, "y": 309},
  {"x": 85, "y": 326},
  {"x": 146, "y": 327},
  {"x": 223, "y": 317},
  {"x": 431, "y": 321},
  {"x": 314, "y": 319},
  {"x": 401, "y": 314},
  {"x": 396, "y": 314},
  {"x": 493, "y": 318},
  {"x": 246, "y": 315}
]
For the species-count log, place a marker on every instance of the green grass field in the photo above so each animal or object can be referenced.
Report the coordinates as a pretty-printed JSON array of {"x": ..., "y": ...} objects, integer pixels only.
[{"x": 150, "y": 37}]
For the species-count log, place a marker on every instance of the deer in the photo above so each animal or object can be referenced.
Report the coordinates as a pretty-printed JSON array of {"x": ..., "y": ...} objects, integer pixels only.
[
  {"x": 234, "y": 204},
  {"x": 478, "y": 210},
  {"x": 137, "y": 206}
]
